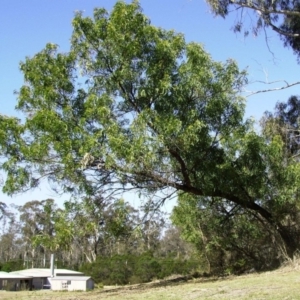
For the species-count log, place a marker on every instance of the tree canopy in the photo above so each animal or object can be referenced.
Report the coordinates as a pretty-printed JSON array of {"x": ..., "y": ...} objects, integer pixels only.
[
  {"x": 129, "y": 104},
  {"x": 134, "y": 107}
]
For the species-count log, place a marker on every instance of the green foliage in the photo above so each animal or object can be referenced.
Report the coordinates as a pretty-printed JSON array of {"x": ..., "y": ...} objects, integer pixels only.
[
  {"x": 290, "y": 26},
  {"x": 125, "y": 269},
  {"x": 87, "y": 224},
  {"x": 110, "y": 270},
  {"x": 174, "y": 266},
  {"x": 150, "y": 102},
  {"x": 13, "y": 265},
  {"x": 147, "y": 267}
]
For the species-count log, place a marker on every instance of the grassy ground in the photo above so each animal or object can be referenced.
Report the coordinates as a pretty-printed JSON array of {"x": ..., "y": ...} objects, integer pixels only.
[{"x": 276, "y": 285}]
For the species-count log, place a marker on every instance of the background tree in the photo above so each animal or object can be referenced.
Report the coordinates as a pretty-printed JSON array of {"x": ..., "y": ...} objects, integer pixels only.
[
  {"x": 36, "y": 217},
  {"x": 11, "y": 242},
  {"x": 284, "y": 123},
  {"x": 173, "y": 245},
  {"x": 84, "y": 229},
  {"x": 106, "y": 239},
  {"x": 152, "y": 226}
]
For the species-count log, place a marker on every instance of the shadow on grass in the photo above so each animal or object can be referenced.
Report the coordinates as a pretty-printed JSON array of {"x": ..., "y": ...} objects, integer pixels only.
[{"x": 161, "y": 283}]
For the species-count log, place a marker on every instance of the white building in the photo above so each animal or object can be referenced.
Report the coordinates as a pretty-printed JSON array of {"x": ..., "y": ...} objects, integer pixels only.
[
  {"x": 40, "y": 277},
  {"x": 54, "y": 279}
]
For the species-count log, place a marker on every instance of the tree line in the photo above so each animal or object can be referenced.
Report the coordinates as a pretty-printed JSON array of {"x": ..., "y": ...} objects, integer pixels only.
[{"x": 113, "y": 242}]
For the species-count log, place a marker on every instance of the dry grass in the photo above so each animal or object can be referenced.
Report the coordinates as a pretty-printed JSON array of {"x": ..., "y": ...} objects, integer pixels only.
[{"x": 276, "y": 285}]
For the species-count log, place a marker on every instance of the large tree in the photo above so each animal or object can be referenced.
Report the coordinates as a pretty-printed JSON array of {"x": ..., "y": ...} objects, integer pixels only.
[{"x": 133, "y": 106}]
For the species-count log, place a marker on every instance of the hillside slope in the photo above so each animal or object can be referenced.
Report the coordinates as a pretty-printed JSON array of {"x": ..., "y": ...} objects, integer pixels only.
[{"x": 280, "y": 284}]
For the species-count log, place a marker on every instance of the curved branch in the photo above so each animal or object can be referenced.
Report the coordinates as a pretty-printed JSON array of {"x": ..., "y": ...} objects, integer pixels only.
[
  {"x": 183, "y": 167},
  {"x": 280, "y": 31}
]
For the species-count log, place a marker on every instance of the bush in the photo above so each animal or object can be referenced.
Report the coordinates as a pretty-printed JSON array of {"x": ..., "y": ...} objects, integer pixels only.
[
  {"x": 132, "y": 269},
  {"x": 110, "y": 270},
  {"x": 147, "y": 267}
]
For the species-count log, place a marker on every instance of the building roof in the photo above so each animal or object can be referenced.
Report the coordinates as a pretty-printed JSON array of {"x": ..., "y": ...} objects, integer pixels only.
[
  {"x": 5, "y": 275},
  {"x": 46, "y": 272},
  {"x": 72, "y": 278}
]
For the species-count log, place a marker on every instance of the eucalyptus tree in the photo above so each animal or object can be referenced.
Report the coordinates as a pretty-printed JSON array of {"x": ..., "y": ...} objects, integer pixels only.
[
  {"x": 284, "y": 122},
  {"x": 36, "y": 217},
  {"x": 281, "y": 16},
  {"x": 134, "y": 107},
  {"x": 173, "y": 245},
  {"x": 86, "y": 229},
  {"x": 3, "y": 210},
  {"x": 11, "y": 242},
  {"x": 152, "y": 227}
]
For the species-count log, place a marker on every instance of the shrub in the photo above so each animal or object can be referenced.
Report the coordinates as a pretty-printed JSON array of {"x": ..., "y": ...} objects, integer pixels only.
[{"x": 132, "y": 269}]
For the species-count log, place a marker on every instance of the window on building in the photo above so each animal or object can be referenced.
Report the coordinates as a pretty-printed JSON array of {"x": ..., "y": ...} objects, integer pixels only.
[{"x": 64, "y": 285}]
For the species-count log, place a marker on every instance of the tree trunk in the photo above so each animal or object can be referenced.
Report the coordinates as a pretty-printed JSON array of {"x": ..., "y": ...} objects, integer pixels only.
[
  {"x": 291, "y": 246},
  {"x": 288, "y": 239}
]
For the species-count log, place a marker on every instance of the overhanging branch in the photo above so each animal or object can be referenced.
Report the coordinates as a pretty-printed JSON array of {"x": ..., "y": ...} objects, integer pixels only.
[{"x": 266, "y": 11}]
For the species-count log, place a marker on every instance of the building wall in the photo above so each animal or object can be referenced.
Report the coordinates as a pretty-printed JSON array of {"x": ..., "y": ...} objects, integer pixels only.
[
  {"x": 71, "y": 285},
  {"x": 10, "y": 284},
  {"x": 90, "y": 284},
  {"x": 78, "y": 285},
  {"x": 15, "y": 284},
  {"x": 55, "y": 285}
]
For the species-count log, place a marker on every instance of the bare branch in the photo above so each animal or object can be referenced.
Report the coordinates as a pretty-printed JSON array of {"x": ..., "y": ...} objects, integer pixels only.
[
  {"x": 288, "y": 85},
  {"x": 268, "y": 46}
]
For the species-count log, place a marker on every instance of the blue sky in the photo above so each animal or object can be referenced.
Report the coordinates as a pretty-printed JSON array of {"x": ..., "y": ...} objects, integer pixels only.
[{"x": 26, "y": 26}]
